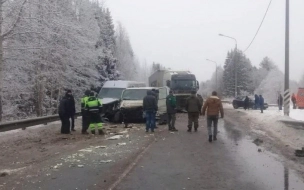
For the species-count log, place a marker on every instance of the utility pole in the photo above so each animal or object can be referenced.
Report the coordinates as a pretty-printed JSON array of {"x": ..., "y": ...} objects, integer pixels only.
[
  {"x": 286, "y": 88},
  {"x": 235, "y": 64}
]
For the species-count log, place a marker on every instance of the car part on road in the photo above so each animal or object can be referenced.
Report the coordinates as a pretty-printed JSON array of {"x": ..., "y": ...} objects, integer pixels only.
[{"x": 299, "y": 153}]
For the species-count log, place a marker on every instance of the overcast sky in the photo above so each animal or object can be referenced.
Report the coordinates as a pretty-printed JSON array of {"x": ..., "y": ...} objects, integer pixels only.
[{"x": 182, "y": 34}]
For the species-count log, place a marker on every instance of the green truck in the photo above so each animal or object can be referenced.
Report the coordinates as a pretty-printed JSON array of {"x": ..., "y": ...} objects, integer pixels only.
[{"x": 180, "y": 82}]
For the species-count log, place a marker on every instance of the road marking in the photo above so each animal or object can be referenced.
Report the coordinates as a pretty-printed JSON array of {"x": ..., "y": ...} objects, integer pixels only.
[{"x": 130, "y": 167}]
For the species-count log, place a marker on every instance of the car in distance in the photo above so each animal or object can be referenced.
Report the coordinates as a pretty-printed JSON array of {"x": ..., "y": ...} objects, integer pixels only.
[{"x": 238, "y": 102}]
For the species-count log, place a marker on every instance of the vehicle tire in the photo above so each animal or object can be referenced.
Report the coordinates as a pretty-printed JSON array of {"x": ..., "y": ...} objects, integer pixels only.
[
  {"x": 117, "y": 117},
  {"x": 235, "y": 106}
]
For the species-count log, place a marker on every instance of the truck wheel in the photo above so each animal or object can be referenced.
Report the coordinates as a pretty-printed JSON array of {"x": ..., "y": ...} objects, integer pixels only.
[{"x": 117, "y": 117}]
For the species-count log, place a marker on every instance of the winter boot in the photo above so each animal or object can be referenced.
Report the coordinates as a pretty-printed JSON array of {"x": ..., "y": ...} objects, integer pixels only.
[
  {"x": 100, "y": 131},
  {"x": 210, "y": 138},
  {"x": 195, "y": 129},
  {"x": 174, "y": 129},
  {"x": 189, "y": 129},
  {"x": 214, "y": 137}
]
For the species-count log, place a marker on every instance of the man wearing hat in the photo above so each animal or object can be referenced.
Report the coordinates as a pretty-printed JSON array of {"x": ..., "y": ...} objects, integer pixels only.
[{"x": 193, "y": 107}]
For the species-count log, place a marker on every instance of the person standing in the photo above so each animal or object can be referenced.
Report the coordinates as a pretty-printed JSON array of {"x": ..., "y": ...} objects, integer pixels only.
[
  {"x": 64, "y": 117},
  {"x": 280, "y": 101},
  {"x": 261, "y": 102},
  {"x": 246, "y": 103},
  {"x": 150, "y": 109},
  {"x": 94, "y": 108},
  {"x": 200, "y": 99},
  {"x": 71, "y": 108},
  {"x": 84, "y": 113},
  {"x": 193, "y": 107},
  {"x": 214, "y": 106},
  {"x": 256, "y": 101},
  {"x": 294, "y": 101},
  {"x": 171, "y": 111}
]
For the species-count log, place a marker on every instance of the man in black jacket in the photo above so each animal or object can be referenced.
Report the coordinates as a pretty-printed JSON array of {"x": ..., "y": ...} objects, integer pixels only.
[
  {"x": 64, "y": 117},
  {"x": 71, "y": 108},
  {"x": 150, "y": 109}
]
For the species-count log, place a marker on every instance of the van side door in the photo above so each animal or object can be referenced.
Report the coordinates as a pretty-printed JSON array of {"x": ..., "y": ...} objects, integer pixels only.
[{"x": 163, "y": 93}]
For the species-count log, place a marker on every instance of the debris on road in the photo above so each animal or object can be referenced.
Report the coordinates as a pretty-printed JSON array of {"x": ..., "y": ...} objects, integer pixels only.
[
  {"x": 96, "y": 147},
  {"x": 258, "y": 142},
  {"x": 122, "y": 144},
  {"x": 300, "y": 153},
  {"x": 116, "y": 137},
  {"x": 105, "y": 161},
  {"x": 4, "y": 173},
  {"x": 259, "y": 150},
  {"x": 57, "y": 166},
  {"x": 80, "y": 166},
  {"x": 86, "y": 150}
]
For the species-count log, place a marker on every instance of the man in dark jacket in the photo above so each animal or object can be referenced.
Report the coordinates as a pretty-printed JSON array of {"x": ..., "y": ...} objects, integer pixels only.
[
  {"x": 261, "y": 101},
  {"x": 280, "y": 101},
  {"x": 246, "y": 103},
  {"x": 171, "y": 111},
  {"x": 150, "y": 109},
  {"x": 193, "y": 107},
  {"x": 64, "y": 117},
  {"x": 71, "y": 108}
]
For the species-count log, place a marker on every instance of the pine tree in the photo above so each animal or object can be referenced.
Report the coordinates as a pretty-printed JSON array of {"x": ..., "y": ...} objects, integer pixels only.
[{"x": 237, "y": 66}]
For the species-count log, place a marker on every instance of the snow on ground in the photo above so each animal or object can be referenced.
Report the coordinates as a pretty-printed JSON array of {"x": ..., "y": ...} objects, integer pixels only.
[
  {"x": 297, "y": 114},
  {"x": 268, "y": 123}
]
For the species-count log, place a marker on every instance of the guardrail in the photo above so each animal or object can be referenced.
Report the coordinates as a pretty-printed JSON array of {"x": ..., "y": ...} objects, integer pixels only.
[{"x": 23, "y": 124}]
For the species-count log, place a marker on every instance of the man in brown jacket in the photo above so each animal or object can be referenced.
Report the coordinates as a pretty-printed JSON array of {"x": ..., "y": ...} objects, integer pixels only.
[
  {"x": 214, "y": 106},
  {"x": 193, "y": 107}
]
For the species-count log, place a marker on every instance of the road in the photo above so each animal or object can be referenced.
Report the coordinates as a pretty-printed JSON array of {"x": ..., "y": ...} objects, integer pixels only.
[{"x": 162, "y": 160}]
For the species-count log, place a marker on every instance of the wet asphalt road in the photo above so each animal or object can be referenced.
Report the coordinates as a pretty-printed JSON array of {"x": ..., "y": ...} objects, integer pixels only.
[
  {"x": 188, "y": 161},
  {"x": 166, "y": 160}
]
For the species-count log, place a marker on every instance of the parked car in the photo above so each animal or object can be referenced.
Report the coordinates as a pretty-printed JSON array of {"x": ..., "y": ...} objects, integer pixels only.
[{"x": 238, "y": 102}]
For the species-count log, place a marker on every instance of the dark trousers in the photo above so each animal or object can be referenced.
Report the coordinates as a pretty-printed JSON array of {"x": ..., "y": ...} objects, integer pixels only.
[
  {"x": 262, "y": 108},
  {"x": 72, "y": 117},
  {"x": 193, "y": 118},
  {"x": 171, "y": 120},
  {"x": 212, "y": 119},
  {"x": 65, "y": 124},
  {"x": 280, "y": 107},
  {"x": 85, "y": 123},
  {"x": 150, "y": 120}
]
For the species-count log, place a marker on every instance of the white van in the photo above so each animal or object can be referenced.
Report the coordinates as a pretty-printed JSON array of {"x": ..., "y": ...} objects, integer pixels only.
[
  {"x": 110, "y": 95},
  {"x": 131, "y": 105}
]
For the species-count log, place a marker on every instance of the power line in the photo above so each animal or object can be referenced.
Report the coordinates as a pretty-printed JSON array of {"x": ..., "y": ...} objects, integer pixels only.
[{"x": 259, "y": 27}]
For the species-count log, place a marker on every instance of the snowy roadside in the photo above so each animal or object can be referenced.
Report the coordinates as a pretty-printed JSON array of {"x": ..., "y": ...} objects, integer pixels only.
[{"x": 269, "y": 123}]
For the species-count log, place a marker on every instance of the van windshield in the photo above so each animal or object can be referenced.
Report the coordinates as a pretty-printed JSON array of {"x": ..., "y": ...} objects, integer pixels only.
[
  {"x": 110, "y": 93},
  {"x": 136, "y": 94}
]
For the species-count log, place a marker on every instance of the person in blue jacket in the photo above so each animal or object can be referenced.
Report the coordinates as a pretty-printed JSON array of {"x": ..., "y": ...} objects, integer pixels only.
[{"x": 261, "y": 101}]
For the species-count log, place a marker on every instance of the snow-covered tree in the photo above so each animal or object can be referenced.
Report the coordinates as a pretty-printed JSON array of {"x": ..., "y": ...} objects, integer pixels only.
[
  {"x": 273, "y": 85},
  {"x": 237, "y": 66}
]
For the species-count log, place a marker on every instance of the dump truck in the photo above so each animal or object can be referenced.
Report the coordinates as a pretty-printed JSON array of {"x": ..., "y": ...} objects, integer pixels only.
[{"x": 180, "y": 82}]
